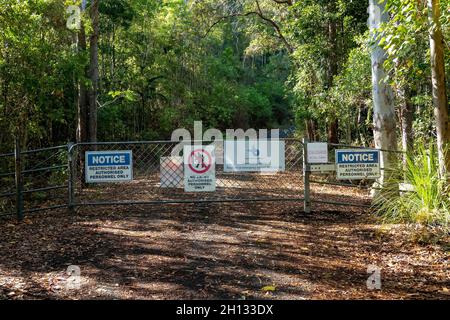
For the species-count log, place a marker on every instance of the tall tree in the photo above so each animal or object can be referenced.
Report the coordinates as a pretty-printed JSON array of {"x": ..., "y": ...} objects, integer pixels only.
[
  {"x": 333, "y": 122},
  {"x": 82, "y": 99},
  {"x": 93, "y": 71},
  {"x": 87, "y": 94},
  {"x": 440, "y": 99},
  {"x": 384, "y": 123}
]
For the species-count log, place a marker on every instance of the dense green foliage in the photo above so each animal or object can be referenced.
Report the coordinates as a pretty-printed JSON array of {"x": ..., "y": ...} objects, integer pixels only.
[
  {"x": 164, "y": 64},
  {"x": 406, "y": 39},
  {"x": 158, "y": 71},
  {"x": 173, "y": 75},
  {"x": 38, "y": 69}
]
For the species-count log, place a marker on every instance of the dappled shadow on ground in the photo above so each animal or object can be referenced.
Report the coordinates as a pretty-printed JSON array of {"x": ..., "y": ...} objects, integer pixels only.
[{"x": 210, "y": 251}]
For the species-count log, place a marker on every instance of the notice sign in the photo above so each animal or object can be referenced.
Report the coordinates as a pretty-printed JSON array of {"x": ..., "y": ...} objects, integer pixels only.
[
  {"x": 357, "y": 164},
  {"x": 317, "y": 152},
  {"x": 199, "y": 169},
  {"x": 266, "y": 156},
  {"x": 109, "y": 166}
]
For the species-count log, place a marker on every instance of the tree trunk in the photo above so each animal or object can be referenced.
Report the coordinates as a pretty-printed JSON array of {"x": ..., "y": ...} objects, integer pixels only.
[
  {"x": 333, "y": 131},
  {"x": 82, "y": 103},
  {"x": 93, "y": 72},
  {"x": 360, "y": 124},
  {"x": 384, "y": 122},
  {"x": 406, "y": 118},
  {"x": 333, "y": 122},
  {"x": 440, "y": 99},
  {"x": 311, "y": 130}
]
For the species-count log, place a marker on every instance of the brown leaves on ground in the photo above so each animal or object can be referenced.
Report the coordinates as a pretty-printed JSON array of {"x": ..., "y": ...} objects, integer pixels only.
[{"x": 235, "y": 250}]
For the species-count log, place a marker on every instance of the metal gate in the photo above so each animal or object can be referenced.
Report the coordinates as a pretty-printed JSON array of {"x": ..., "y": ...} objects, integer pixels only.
[
  {"x": 146, "y": 188},
  {"x": 52, "y": 178},
  {"x": 33, "y": 180}
]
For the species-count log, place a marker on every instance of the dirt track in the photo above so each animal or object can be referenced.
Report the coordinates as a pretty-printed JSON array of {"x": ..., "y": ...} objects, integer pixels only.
[{"x": 216, "y": 251}]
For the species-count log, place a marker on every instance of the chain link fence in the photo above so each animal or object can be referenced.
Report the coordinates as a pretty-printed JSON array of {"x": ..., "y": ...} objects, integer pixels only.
[{"x": 51, "y": 178}]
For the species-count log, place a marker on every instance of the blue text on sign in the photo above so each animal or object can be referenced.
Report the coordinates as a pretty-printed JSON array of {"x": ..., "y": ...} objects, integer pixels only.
[
  {"x": 357, "y": 157},
  {"x": 113, "y": 159}
]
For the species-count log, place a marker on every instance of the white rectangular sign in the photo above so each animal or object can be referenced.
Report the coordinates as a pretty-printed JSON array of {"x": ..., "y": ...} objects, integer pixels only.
[
  {"x": 171, "y": 172},
  {"x": 199, "y": 169},
  {"x": 323, "y": 168},
  {"x": 357, "y": 164},
  {"x": 108, "y": 166},
  {"x": 317, "y": 152},
  {"x": 254, "y": 156}
]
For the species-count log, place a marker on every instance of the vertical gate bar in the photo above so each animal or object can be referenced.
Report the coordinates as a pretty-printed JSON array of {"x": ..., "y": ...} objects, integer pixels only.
[
  {"x": 306, "y": 177},
  {"x": 71, "y": 191},
  {"x": 18, "y": 180}
]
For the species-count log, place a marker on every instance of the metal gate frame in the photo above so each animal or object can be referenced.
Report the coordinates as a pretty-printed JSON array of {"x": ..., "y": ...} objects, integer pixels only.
[
  {"x": 309, "y": 180},
  {"x": 76, "y": 152},
  {"x": 46, "y": 166}
]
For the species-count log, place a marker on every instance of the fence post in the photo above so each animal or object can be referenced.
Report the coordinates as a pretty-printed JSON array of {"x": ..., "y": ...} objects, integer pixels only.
[
  {"x": 18, "y": 180},
  {"x": 71, "y": 191},
  {"x": 306, "y": 176}
]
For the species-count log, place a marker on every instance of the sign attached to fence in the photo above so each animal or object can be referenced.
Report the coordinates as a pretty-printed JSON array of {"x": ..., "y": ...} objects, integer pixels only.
[
  {"x": 171, "y": 172},
  {"x": 109, "y": 166},
  {"x": 357, "y": 164},
  {"x": 199, "y": 169},
  {"x": 254, "y": 156},
  {"x": 317, "y": 152},
  {"x": 323, "y": 168}
]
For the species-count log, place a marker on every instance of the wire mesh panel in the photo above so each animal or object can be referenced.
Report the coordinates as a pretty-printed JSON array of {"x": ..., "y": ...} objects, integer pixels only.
[{"x": 158, "y": 177}]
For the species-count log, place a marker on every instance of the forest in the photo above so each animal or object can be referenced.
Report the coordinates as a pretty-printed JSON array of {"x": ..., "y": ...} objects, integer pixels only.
[
  {"x": 131, "y": 70},
  {"x": 356, "y": 72}
]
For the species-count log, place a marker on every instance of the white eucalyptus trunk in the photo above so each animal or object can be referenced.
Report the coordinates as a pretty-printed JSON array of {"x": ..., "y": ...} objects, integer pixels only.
[{"x": 384, "y": 121}]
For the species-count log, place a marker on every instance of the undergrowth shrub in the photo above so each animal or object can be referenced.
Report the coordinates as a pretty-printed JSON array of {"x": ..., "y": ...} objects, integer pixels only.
[{"x": 427, "y": 201}]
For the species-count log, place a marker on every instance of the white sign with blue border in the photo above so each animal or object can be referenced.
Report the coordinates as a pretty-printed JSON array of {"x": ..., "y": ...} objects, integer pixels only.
[
  {"x": 357, "y": 164},
  {"x": 109, "y": 166}
]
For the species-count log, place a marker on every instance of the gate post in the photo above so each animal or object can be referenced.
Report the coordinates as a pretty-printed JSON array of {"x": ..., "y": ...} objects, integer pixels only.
[
  {"x": 18, "y": 180},
  {"x": 306, "y": 176},
  {"x": 71, "y": 191}
]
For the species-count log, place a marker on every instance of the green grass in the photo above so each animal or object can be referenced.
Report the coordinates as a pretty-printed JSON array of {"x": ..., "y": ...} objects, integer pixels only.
[{"x": 428, "y": 204}]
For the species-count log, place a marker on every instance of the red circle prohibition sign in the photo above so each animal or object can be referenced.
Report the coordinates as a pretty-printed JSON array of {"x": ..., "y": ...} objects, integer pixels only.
[{"x": 200, "y": 161}]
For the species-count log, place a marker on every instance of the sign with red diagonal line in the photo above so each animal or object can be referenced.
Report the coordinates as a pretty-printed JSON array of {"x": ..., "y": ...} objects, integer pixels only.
[{"x": 199, "y": 169}]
